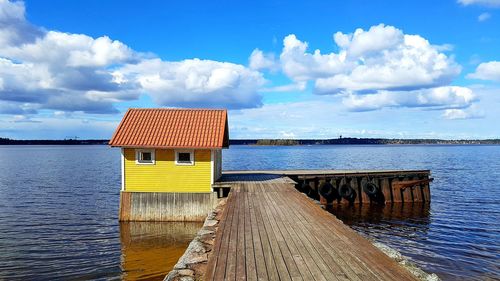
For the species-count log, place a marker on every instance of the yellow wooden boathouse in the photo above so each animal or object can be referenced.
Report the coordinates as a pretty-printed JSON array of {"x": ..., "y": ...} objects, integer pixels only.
[{"x": 170, "y": 159}]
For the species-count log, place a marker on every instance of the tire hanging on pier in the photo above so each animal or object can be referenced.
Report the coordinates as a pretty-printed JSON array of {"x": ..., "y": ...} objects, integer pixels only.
[
  {"x": 371, "y": 189},
  {"x": 347, "y": 192},
  {"x": 305, "y": 187},
  {"x": 328, "y": 191},
  {"x": 374, "y": 192}
]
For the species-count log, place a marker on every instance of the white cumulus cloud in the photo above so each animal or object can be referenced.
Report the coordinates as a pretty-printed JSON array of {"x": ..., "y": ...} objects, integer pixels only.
[
  {"x": 488, "y": 3},
  {"x": 381, "y": 58},
  {"x": 14, "y": 29},
  {"x": 259, "y": 60},
  {"x": 300, "y": 65},
  {"x": 447, "y": 97},
  {"x": 196, "y": 82},
  {"x": 458, "y": 114},
  {"x": 58, "y": 49},
  {"x": 75, "y": 72},
  {"x": 487, "y": 71},
  {"x": 297, "y": 86}
]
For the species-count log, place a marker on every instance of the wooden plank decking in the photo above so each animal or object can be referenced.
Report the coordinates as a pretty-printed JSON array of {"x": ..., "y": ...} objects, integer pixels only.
[
  {"x": 313, "y": 172},
  {"x": 270, "y": 231}
]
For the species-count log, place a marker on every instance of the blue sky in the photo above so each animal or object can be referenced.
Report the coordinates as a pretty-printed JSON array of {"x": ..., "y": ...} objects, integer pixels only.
[{"x": 311, "y": 69}]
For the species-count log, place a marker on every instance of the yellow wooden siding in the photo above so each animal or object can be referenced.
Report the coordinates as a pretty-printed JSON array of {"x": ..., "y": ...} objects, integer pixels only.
[{"x": 165, "y": 175}]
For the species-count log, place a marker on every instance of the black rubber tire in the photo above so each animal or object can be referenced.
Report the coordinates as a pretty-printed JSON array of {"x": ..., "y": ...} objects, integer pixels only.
[
  {"x": 305, "y": 187},
  {"x": 371, "y": 189},
  {"x": 346, "y": 191},
  {"x": 328, "y": 191}
]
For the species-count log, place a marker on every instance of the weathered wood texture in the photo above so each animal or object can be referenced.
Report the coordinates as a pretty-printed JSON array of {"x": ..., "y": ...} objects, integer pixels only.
[
  {"x": 270, "y": 231},
  {"x": 162, "y": 206},
  {"x": 228, "y": 178},
  {"x": 393, "y": 184},
  {"x": 316, "y": 173}
]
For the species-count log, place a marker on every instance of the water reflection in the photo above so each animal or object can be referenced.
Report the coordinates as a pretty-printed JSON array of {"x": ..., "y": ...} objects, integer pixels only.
[
  {"x": 405, "y": 227},
  {"x": 458, "y": 239},
  {"x": 151, "y": 249},
  {"x": 59, "y": 206},
  {"x": 400, "y": 225},
  {"x": 417, "y": 213}
]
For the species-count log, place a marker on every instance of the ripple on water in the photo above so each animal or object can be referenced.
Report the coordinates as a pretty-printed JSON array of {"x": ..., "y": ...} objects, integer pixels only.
[
  {"x": 59, "y": 206},
  {"x": 58, "y": 219},
  {"x": 457, "y": 236}
]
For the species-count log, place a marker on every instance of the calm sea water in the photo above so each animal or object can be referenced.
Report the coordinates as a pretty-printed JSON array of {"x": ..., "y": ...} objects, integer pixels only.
[
  {"x": 456, "y": 237},
  {"x": 59, "y": 219},
  {"x": 59, "y": 205}
]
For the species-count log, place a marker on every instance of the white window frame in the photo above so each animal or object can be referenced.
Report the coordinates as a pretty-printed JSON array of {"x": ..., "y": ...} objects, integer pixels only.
[
  {"x": 138, "y": 153},
  {"x": 191, "y": 154}
]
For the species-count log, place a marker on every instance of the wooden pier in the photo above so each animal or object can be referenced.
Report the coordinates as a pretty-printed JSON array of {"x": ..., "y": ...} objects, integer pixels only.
[
  {"x": 352, "y": 186},
  {"x": 271, "y": 231}
]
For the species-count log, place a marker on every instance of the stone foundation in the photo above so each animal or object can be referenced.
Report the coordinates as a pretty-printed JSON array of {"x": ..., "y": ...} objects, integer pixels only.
[{"x": 192, "y": 265}]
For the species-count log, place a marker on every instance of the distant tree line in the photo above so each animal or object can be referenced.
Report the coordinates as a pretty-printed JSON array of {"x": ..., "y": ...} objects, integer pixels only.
[
  {"x": 277, "y": 142},
  {"x": 7, "y": 141},
  {"x": 357, "y": 141}
]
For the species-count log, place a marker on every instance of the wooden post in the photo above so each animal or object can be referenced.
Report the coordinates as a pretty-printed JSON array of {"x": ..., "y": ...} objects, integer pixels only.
[
  {"x": 385, "y": 186},
  {"x": 355, "y": 184},
  {"x": 404, "y": 188},
  {"x": 363, "y": 197}
]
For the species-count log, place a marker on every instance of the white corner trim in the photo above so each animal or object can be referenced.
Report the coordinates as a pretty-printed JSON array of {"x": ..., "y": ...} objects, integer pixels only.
[
  {"x": 153, "y": 156},
  {"x": 191, "y": 154},
  {"x": 212, "y": 171},
  {"x": 123, "y": 168}
]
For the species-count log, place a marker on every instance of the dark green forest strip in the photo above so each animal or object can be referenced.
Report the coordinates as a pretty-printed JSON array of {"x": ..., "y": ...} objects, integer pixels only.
[{"x": 339, "y": 141}]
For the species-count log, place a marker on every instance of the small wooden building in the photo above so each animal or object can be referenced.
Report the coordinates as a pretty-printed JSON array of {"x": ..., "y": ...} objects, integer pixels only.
[{"x": 170, "y": 159}]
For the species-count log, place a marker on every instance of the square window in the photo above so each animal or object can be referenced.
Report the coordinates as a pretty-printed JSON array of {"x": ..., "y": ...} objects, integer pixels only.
[
  {"x": 145, "y": 156},
  {"x": 184, "y": 158}
]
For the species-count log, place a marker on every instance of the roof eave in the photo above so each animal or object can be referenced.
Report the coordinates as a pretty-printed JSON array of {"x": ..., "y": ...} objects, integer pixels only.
[{"x": 169, "y": 147}]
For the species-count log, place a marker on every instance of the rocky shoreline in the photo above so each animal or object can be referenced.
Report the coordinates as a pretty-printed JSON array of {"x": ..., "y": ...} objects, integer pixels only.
[{"x": 192, "y": 265}]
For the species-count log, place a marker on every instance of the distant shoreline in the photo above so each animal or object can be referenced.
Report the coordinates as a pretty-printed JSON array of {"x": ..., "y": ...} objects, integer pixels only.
[
  {"x": 4, "y": 141},
  {"x": 358, "y": 141},
  {"x": 275, "y": 142}
]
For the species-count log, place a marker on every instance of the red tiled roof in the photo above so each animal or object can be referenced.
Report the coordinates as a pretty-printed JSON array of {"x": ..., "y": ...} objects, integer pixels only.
[{"x": 172, "y": 128}]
